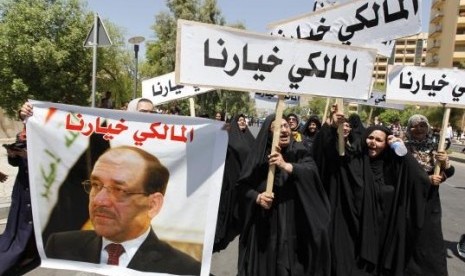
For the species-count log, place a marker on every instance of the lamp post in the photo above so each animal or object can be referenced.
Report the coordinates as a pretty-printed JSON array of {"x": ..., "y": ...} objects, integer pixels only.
[{"x": 136, "y": 40}]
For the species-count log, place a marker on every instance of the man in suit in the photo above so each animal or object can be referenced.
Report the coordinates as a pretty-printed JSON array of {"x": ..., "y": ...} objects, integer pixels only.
[{"x": 126, "y": 191}]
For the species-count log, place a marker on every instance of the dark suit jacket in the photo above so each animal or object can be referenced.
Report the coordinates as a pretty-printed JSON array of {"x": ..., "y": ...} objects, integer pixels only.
[{"x": 152, "y": 256}]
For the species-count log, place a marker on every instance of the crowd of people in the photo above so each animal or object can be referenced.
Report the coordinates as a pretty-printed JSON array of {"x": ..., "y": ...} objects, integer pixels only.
[{"x": 365, "y": 210}]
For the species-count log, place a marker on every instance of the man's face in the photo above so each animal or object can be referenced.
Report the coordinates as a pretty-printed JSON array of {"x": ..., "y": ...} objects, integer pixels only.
[
  {"x": 285, "y": 133},
  {"x": 125, "y": 218},
  {"x": 292, "y": 121},
  {"x": 144, "y": 107}
]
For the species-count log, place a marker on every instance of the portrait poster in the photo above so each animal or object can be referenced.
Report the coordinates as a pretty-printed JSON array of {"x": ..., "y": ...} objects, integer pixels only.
[{"x": 64, "y": 144}]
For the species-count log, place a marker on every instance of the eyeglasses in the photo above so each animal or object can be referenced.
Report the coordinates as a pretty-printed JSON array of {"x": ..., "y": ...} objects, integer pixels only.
[
  {"x": 119, "y": 194},
  {"x": 292, "y": 119}
]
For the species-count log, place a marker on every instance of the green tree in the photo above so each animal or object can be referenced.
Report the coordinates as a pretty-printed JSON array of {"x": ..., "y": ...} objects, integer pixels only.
[
  {"x": 41, "y": 52},
  {"x": 42, "y": 55},
  {"x": 161, "y": 55}
]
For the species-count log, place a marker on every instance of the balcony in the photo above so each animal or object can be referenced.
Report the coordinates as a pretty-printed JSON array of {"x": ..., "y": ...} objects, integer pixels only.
[
  {"x": 435, "y": 31},
  {"x": 459, "y": 56},
  {"x": 437, "y": 18},
  {"x": 460, "y": 38},
  {"x": 461, "y": 21},
  {"x": 438, "y": 3}
]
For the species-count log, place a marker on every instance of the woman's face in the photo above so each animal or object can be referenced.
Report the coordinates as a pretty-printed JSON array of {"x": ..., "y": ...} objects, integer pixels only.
[
  {"x": 419, "y": 131},
  {"x": 312, "y": 127},
  {"x": 376, "y": 142},
  {"x": 346, "y": 129},
  {"x": 242, "y": 123}
]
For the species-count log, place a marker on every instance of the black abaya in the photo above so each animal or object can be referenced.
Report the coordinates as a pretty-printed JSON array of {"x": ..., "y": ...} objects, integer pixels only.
[
  {"x": 377, "y": 205},
  {"x": 291, "y": 238}
]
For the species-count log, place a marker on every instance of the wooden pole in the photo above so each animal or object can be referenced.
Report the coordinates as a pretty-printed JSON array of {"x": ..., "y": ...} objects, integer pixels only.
[
  {"x": 340, "y": 129},
  {"x": 275, "y": 142},
  {"x": 442, "y": 138},
  {"x": 325, "y": 114},
  {"x": 192, "y": 106},
  {"x": 369, "y": 117}
]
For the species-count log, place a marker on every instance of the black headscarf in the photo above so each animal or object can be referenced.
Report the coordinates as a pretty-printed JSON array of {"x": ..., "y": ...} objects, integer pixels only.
[
  {"x": 307, "y": 136},
  {"x": 357, "y": 126}
]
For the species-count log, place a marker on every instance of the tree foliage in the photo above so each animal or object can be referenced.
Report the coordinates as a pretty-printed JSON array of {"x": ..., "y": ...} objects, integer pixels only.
[
  {"x": 42, "y": 55},
  {"x": 161, "y": 55}
]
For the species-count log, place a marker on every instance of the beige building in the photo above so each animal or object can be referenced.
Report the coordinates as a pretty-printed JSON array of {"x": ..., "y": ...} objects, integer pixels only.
[
  {"x": 407, "y": 51},
  {"x": 446, "y": 33}
]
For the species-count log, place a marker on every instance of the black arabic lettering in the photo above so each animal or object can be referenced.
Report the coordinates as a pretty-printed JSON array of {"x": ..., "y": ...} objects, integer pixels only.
[
  {"x": 214, "y": 62},
  {"x": 339, "y": 75},
  {"x": 402, "y": 13},
  {"x": 403, "y": 85},
  {"x": 456, "y": 95}
]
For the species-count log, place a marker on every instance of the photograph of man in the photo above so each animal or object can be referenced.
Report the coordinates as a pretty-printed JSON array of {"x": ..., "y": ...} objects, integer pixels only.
[{"x": 126, "y": 191}]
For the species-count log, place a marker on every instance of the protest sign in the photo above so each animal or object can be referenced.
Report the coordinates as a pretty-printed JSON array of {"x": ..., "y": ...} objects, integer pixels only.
[
  {"x": 428, "y": 86},
  {"x": 163, "y": 89},
  {"x": 64, "y": 145},
  {"x": 223, "y": 57},
  {"x": 363, "y": 23},
  {"x": 378, "y": 99}
]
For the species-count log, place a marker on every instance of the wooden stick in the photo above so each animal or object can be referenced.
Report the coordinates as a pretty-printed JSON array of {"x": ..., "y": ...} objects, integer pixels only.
[
  {"x": 325, "y": 114},
  {"x": 369, "y": 116},
  {"x": 340, "y": 129},
  {"x": 275, "y": 142},
  {"x": 442, "y": 138},
  {"x": 192, "y": 106}
]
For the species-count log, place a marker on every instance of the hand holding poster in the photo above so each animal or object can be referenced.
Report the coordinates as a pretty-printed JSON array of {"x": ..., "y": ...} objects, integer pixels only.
[
  {"x": 363, "y": 23},
  {"x": 430, "y": 86},
  {"x": 222, "y": 57},
  {"x": 146, "y": 181}
]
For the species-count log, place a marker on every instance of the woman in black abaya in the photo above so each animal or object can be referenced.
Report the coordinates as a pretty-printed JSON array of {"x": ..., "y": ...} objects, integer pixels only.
[
  {"x": 377, "y": 202},
  {"x": 284, "y": 233},
  {"x": 239, "y": 144}
]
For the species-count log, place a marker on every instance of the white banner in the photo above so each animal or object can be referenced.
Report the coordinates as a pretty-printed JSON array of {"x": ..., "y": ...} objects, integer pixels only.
[
  {"x": 320, "y": 4},
  {"x": 222, "y": 57},
  {"x": 378, "y": 99},
  {"x": 422, "y": 85},
  {"x": 61, "y": 140},
  {"x": 364, "y": 23},
  {"x": 163, "y": 89}
]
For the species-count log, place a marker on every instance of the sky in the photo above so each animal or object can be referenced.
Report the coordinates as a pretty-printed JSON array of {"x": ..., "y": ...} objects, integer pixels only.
[{"x": 135, "y": 17}]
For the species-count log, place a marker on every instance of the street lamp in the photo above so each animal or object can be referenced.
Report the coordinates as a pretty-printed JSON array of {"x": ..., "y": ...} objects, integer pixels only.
[{"x": 136, "y": 40}]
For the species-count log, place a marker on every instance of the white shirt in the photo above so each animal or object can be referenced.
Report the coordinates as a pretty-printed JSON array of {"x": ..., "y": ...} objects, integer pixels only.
[{"x": 130, "y": 249}]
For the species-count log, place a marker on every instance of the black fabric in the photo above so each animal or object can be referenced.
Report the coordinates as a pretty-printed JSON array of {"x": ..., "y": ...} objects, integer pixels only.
[
  {"x": 17, "y": 243},
  {"x": 377, "y": 205},
  {"x": 291, "y": 238},
  {"x": 357, "y": 126},
  {"x": 307, "y": 136},
  {"x": 228, "y": 224},
  {"x": 430, "y": 255}
]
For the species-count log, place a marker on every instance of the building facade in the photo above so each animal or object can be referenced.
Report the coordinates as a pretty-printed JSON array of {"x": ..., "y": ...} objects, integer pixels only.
[{"x": 446, "y": 40}]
